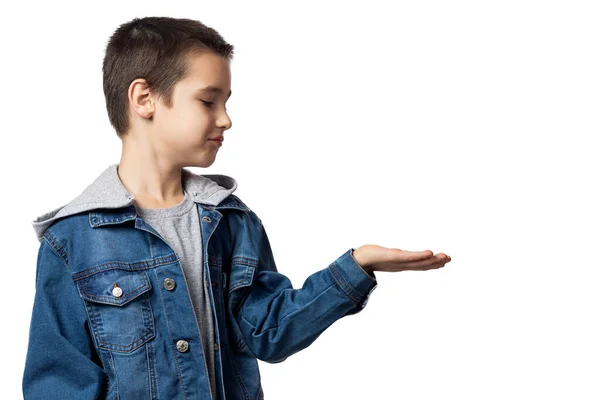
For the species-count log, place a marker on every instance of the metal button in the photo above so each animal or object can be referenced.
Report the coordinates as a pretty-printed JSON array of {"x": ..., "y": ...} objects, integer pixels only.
[
  {"x": 206, "y": 219},
  {"x": 216, "y": 346},
  {"x": 182, "y": 346},
  {"x": 169, "y": 284},
  {"x": 117, "y": 291}
]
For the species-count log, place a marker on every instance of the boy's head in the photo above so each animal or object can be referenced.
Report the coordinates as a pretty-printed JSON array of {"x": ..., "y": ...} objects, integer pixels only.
[{"x": 155, "y": 74}]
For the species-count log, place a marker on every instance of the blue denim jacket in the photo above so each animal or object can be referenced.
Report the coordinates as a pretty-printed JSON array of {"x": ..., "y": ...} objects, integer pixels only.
[{"x": 112, "y": 316}]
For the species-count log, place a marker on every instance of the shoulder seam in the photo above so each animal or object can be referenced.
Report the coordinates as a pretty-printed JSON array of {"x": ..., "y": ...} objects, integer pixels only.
[
  {"x": 246, "y": 208},
  {"x": 56, "y": 247}
]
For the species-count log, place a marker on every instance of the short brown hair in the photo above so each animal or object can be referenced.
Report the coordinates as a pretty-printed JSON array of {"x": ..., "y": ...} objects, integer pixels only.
[{"x": 156, "y": 49}]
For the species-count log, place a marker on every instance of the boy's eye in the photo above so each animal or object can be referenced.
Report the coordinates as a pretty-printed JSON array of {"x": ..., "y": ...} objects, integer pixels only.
[{"x": 209, "y": 104}]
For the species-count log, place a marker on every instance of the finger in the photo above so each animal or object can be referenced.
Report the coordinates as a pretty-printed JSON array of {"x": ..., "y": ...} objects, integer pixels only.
[
  {"x": 428, "y": 267},
  {"x": 410, "y": 256},
  {"x": 435, "y": 262}
]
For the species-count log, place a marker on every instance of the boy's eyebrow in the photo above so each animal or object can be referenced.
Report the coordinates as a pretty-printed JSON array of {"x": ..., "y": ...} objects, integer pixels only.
[{"x": 215, "y": 89}]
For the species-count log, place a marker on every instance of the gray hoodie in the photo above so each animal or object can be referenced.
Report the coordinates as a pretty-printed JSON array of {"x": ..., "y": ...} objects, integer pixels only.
[{"x": 107, "y": 191}]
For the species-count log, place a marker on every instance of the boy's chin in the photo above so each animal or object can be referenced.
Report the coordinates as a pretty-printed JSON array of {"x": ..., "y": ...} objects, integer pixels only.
[{"x": 203, "y": 162}]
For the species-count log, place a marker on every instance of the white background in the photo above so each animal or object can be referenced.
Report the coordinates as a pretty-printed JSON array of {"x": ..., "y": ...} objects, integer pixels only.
[{"x": 463, "y": 127}]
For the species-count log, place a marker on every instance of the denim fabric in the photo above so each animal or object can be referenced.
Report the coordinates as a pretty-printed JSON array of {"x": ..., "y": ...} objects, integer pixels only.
[{"x": 107, "y": 322}]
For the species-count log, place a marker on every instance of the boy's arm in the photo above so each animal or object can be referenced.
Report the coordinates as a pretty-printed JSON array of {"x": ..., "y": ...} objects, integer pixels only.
[
  {"x": 278, "y": 320},
  {"x": 60, "y": 356}
]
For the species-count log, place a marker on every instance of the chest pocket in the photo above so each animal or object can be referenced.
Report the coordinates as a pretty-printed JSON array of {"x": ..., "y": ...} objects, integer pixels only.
[{"x": 119, "y": 309}]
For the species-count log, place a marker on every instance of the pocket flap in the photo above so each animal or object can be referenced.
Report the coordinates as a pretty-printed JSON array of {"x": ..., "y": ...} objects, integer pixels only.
[
  {"x": 241, "y": 275},
  {"x": 99, "y": 286}
]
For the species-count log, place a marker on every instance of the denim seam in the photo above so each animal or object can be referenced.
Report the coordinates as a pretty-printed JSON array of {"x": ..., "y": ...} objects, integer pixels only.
[
  {"x": 95, "y": 339},
  {"x": 199, "y": 337},
  {"x": 97, "y": 325},
  {"x": 243, "y": 260},
  {"x": 181, "y": 383},
  {"x": 341, "y": 281},
  {"x": 151, "y": 371},
  {"x": 112, "y": 364},
  {"x": 245, "y": 281},
  {"x": 124, "y": 300},
  {"x": 56, "y": 247},
  {"x": 289, "y": 314},
  {"x": 133, "y": 266},
  {"x": 238, "y": 376}
]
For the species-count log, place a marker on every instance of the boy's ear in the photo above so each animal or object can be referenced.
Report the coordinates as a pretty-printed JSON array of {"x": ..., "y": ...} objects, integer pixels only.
[{"x": 140, "y": 99}]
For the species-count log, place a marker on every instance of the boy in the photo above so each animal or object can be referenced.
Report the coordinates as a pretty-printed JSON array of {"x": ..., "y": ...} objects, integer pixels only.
[{"x": 159, "y": 283}]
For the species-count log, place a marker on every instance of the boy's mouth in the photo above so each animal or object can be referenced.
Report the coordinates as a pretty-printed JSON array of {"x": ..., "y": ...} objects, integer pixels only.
[{"x": 218, "y": 138}]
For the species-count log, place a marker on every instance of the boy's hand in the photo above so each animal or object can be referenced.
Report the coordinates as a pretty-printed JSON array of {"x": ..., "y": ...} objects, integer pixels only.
[{"x": 376, "y": 258}]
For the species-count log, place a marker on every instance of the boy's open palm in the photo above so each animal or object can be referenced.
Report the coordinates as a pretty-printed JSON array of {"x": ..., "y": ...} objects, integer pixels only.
[{"x": 376, "y": 258}]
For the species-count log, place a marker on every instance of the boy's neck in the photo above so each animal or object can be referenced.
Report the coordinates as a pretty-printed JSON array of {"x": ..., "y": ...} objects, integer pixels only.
[{"x": 152, "y": 186}]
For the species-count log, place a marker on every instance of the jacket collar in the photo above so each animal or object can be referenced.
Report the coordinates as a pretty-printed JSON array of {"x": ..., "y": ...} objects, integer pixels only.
[{"x": 109, "y": 202}]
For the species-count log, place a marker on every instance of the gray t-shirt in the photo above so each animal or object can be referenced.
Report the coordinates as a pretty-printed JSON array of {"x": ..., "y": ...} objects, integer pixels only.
[{"x": 180, "y": 227}]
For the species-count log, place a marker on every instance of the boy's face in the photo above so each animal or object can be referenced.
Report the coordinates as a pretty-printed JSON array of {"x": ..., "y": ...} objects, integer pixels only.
[{"x": 181, "y": 134}]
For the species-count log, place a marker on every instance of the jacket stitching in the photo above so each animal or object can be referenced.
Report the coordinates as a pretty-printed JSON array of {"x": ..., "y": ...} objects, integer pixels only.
[
  {"x": 134, "y": 266},
  {"x": 287, "y": 315},
  {"x": 151, "y": 371},
  {"x": 181, "y": 383},
  {"x": 56, "y": 247},
  {"x": 238, "y": 376},
  {"x": 345, "y": 287},
  {"x": 126, "y": 299},
  {"x": 112, "y": 364}
]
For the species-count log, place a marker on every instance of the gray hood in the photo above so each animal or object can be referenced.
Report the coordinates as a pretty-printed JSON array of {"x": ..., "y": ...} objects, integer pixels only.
[{"x": 107, "y": 191}]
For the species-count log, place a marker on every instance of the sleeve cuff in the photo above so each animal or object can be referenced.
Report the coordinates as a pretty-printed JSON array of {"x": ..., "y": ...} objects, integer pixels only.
[{"x": 353, "y": 279}]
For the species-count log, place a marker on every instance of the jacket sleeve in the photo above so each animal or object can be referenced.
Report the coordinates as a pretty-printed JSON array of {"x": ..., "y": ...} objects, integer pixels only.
[
  {"x": 61, "y": 360},
  {"x": 278, "y": 320}
]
